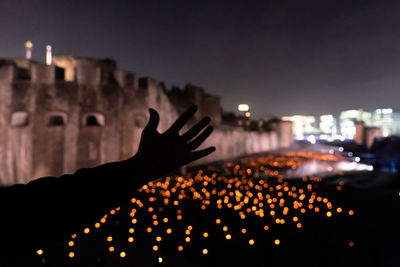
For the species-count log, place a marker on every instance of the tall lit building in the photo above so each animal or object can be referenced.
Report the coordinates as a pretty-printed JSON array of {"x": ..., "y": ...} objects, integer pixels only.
[
  {"x": 388, "y": 120},
  {"x": 328, "y": 124},
  {"x": 302, "y": 125},
  {"x": 347, "y": 119}
]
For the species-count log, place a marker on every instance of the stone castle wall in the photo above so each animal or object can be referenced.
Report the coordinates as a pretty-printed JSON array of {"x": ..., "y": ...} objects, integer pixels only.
[{"x": 82, "y": 112}]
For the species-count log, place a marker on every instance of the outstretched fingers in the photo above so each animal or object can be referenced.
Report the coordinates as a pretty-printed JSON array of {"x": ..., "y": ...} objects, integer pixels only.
[
  {"x": 201, "y": 153},
  {"x": 153, "y": 120},
  {"x": 192, "y": 132},
  {"x": 180, "y": 122},
  {"x": 201, "y": 138}
]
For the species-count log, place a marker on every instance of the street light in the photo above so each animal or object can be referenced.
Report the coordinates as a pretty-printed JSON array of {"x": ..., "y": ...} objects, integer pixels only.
[
  {"x": 245, "y": 110},
  {"x": 243, "y": 107}
]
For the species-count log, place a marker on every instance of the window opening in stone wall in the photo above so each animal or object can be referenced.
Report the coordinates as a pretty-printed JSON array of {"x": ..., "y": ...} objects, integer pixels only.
[
  {"x": 60, "y": 74},
  {"x": 20, "y": 119},
  {"x": 56, "y": 119},
  {"x": 22, "y": 74},
  {"x": 107, "y": 77},
  {"x": 94, "y": 119}
]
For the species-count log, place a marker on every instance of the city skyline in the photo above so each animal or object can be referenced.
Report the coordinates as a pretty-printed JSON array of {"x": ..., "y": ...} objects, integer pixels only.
[{"x": 280, "y": 58}]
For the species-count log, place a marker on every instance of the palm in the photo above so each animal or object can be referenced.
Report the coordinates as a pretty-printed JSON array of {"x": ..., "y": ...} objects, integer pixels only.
[{"x": 169, "y": 150}]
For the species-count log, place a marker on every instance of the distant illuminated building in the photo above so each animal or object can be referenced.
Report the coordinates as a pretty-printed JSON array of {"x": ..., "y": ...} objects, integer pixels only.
[
  {"x": 302, "y": 125},
  {"x": 388, "y": 120},
  {"x": 347, "y": 119},
  {"x": 328, "y": 124}
]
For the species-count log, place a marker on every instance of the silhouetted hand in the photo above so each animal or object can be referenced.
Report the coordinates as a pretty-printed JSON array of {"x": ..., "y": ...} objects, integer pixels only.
[
  {"x": 95, "y": 190},
  {"x": 159, "y": 154}
]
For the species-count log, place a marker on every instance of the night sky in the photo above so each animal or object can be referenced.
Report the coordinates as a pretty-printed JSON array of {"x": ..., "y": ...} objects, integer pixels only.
[{"x": 281, "y": 57}]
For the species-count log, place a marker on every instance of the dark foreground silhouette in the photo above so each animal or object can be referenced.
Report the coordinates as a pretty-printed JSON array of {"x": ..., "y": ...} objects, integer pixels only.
[{"x": 49, "y": 209}]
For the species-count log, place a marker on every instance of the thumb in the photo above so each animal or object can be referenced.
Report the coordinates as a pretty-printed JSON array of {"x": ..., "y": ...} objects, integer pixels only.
[{"x": 153, "y": 120}]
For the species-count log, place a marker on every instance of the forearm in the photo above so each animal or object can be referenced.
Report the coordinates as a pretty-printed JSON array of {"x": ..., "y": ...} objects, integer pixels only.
[{"x": 48, "y": 209}]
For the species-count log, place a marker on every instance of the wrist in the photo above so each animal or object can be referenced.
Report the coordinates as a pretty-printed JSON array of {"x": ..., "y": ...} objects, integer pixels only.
[{"x": 137, "y": 169}]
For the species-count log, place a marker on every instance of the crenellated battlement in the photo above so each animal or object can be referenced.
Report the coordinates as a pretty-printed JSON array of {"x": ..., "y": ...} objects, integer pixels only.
[
  {"x": 81, "y": 112},
  {"x": 84, "y": 71}
]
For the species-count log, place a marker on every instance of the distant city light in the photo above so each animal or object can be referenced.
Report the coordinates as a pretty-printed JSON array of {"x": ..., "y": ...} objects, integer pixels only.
[
  {"x": 243, "y": 107},
  {"x": 247, "y": 114},
  {"x": 328, "y": 124},
  {"x": 311, "y": 139},
  {"x": 323, "y": 137},
  {"x": 302, "y": 125}
]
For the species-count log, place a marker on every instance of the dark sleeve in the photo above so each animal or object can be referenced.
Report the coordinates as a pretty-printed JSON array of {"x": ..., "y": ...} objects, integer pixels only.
[{"x": 50, "y": 209}]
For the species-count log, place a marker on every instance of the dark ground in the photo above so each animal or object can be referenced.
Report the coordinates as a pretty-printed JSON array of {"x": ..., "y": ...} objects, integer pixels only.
[{"x": 374, "y": 230}]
